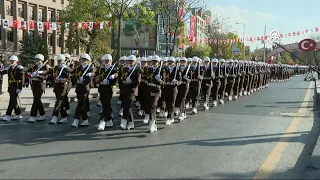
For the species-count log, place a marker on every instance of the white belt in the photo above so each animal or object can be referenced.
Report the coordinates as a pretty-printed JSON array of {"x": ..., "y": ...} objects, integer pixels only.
[{"x": 154, "y": 85}]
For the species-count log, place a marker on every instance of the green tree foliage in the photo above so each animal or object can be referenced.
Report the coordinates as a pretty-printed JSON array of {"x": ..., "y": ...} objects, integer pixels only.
[
  {"x": 123, "y": 10},
  {"x": 97, "y": 41},
  {"x": 201, "y": 51},
  {"x": 30, "y": 47}
]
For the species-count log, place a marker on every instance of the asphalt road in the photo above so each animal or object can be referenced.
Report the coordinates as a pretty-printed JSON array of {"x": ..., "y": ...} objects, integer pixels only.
[{"x": 264, "y": 135}]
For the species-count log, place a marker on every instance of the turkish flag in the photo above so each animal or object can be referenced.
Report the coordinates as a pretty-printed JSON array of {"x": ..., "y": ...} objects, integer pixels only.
[
  {"x": 46, "y": 25},
  {"x": 96, "y": 25},
  {"x": 31, "y": 24},
  {"x": 316, "y": 29},
  {"x": 289, "y": 34},
  {"x": 85, "y": 26},
  {"x": 298, "y": 33},
  {"x": 15, "y": 24},
  {"x": 307, "y": 31}
]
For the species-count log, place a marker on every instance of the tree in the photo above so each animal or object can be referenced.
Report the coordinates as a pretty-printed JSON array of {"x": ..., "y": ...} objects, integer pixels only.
[
  {"x": 30, "y": 48},
  {"x": 95, "y": 41},
  {"x": 173, "y": 15},
  {"x": 201, "y": 51}
]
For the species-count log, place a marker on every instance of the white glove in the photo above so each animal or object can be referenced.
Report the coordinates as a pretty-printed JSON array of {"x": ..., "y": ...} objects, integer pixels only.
[
  {"x": 34, "y": 74},
  {"x": 18, "y": 91},
  {"x": 88, "y": 74},
  {"x": 158, "y": 78},
  {"x": 185, "y": 77},
  {"x": 174, "y": 81},
  {"x": 20, "y": 67},
  {"x": 200, "y": 77},
  {"x": 111, "y": 77},
  {"x": 81, "y": 79},
  {"x": 58, "y": 79},
  {"x": 106, "y": 82},
  {"x": 128, "y": 80},
  {"x": 39, "y": 72}
]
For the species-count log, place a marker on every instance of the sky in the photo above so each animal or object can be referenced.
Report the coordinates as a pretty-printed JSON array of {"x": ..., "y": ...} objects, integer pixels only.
[{"x": 284, "y": 16}]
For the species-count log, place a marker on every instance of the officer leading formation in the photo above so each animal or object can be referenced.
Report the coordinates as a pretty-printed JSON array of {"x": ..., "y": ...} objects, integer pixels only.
[{"x": 161, "y": 87}]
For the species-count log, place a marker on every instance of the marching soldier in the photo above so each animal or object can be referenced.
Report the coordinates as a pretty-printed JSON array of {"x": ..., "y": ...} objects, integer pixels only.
[
  {"x": 122, "y": 65},
  {"x": 242, "y": 77},
  {"x": 207, "y": 75},
  {"x": 154, "y": 74},
  {"x": 195, "y": 84},
  {"x": 216, "y": 83},
  {"x": 230, "y": 79},
  {"x": 15, "y": 78},
  {"x": 38, "y": 85},
  {"x": 183, "y": 88},
  {"x": 223, "y": 80},
  {"x": 237, "y": 79},
  {"x": 142, "y": 87},
  {"x": 130, "y": 77},
  {"x": 107, "y": 77},
  {"x": 84, "y": 74},
  {"x": 170, "y": 91},
  {"x": 61, "y": 75},
  {"x": 67, "y": 104}
]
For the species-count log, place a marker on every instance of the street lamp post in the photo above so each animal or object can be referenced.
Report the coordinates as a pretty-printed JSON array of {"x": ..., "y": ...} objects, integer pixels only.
[{"x": 244, "y": 30}]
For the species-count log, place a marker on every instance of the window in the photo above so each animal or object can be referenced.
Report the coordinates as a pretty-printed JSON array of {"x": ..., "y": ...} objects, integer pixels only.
[
  {"x": 50, "y": 16},
  {"x": 40, "y": 15},
  {"x": 9, "y": 9},
  {"x": 53, "y": 0},
  {"x": 20, "y": 10},
  {"x": 31, "y": 13},
  {"x": 58, "y": 16},
  {"x": 10, "y": 36},
  {"x": 62, "y": 1},
  {"x": 50, "y": 39}
]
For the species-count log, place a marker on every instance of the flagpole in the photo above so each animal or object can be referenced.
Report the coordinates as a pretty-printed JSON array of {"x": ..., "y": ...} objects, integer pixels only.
[{"x": 264, "y": 43}]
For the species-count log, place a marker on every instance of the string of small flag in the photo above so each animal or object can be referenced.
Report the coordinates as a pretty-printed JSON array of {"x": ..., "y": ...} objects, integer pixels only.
[{"x": 42, "y": 26}]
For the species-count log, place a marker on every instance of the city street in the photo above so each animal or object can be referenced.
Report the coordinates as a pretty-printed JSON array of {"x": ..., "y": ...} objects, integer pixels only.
[{"x": 268, "y": 134}]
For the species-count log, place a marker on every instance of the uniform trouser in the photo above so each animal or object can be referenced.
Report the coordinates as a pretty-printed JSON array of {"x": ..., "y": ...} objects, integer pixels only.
[
  {"x": 60, "y": 91},
  {"x": 251, "y": 82},
  {"x": 161, "y": 103},
  {"x": 241, "y": 83},
  {"x": 170, "y": 93},
  {"x": 126, "y": 104},
  {"x": 13, "y": 102},
  {"x": 246, "y": 82},
  {"x": 82, "y": 108},
  {"x": 152, "y": 107},
  {"x": 222, "y": 88},
  {"x": 66, "y": 98},
  {"x": 181, "y": 97},
  {"x": 236, "y": 86},
  {"x": 206, "y": 86},
  {"x": 230, "y": 84},
  {"x": 143, "y": 98},
  {"x": 105, "y": 99},
  {"x": 215, "y": 89},
  {"x": 194, "y": 93},
  {"x": 37, "y": 91},
  {"x": 87, "y": 103}
]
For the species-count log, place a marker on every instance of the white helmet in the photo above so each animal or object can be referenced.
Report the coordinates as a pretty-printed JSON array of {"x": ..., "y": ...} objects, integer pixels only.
[
  {"x": 67, "y": 55},
  {"x": 195, "y": 59},
  {"x": 155, "y": 58},
  {"x": 123, "y": 58},
  {"x": 214, "y": 60},
  {"x": 61, "y": 57},
  {"x": 106, "y": 57},
  {"x": 230, "y": 61},
  {"x": 165, "y": 59},
  {"x": 171, "y": 59},
  {"x": 85, "y": 56},
  {"x": 132, "y": 58},
  {"x": 222, "y": 60},
  {"x": 39, "y": 57},
  {"x": 143, "y": 59},
  {"x": 183, "y": 59},
  {"x": 138, "y": 58},
  {"x": 149, "y": 58},
  {"x": 177, "y": 59},
  {"x": 235, "y": 61},
  {"x": 14, "y": 58},
  {"x": 206, "y": 59}
]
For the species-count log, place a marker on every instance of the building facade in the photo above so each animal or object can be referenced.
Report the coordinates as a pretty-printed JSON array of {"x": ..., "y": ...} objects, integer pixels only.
[
  {"x": 31, "y": 10},
  {"x": 200, "y": 28}
]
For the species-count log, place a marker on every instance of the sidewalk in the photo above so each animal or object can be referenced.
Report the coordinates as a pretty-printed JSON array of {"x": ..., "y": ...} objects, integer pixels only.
[{"x": 313, "y": 169}]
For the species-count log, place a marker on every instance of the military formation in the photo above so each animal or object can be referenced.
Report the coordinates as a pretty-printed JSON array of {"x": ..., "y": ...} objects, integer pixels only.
[{"x": 160, "y": 87}]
